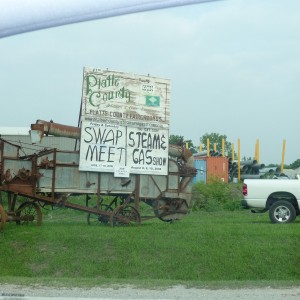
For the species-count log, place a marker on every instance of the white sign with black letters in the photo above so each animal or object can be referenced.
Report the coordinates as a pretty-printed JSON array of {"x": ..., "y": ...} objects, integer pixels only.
[{"x": 141, "y": 150}]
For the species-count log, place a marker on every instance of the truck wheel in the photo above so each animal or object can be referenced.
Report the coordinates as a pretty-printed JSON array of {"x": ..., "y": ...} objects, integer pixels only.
[{"x": 282, "y": 212}]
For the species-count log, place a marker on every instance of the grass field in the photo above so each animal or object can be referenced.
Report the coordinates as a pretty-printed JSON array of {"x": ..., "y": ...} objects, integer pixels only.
[{"x": 204, "y": 249}]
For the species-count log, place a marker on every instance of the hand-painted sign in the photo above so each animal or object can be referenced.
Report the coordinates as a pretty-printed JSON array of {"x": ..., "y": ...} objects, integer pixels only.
[
  {"x": 124, "y": 96},
  {"x": 141, "y": 150},
  {"x": 124, "y": 123}
]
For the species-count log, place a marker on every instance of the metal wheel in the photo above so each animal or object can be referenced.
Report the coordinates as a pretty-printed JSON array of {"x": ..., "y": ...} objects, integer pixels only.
[
  {"x": 2, "y": 217},
  {"x": 93, "y": 219},
  {"x": 125, "y": 214},
  {"x": 29, "y": 213},
  {"x": 282, "y": 212},
  {"x": 161, "y": 211},
  {"x": 170, "y": 210}
]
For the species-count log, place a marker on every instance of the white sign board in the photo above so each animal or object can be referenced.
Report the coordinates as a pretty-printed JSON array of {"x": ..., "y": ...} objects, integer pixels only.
[
  {"x": 124, "y": 123},
  {"x": 125, "y": 97},
  {"x": 121, "y": 171},
  {"x": 141, "y": 150}
]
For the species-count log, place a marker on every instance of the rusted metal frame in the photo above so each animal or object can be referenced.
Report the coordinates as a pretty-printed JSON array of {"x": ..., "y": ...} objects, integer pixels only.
[
  {"x": 178, "y": 181},
  {"x": 53, "y": 176},
  {"x": 2, "y": 165},
  {"x": 99, "y": 191},
  {"x": 151, "y": 176},
  {"x": 35, "y": 173},
  {"x": 45, "y": 151},
  {"x": 87, "y": 198},
  {"x": 168, "y": 181},
  {"x": 137, "y": 193},
  {"x": 124, "y": 199},
  {"x": 66, "y": 204},
  {"x": 40, "y": 154},
  {"x": 17, "y": 146},
  {"x": 114, "y": 201},
  {"x": 67, "y": 151},
  {"x": 178, "y": 177},
  {"x": 182, "y": 188},
  {"x": 79, "y": 118},
  {"x": 160, "y": 195},
  {"x": 48, "y": 200},
  {"x": 11, "y": 202},
  {"x": 65, "y": 165},
  {"x": 79, "y": 207},
  {"x": 86, "y": 209},
  {"x": 177, "y": 174},
  {"x": 119, "y": 207},
  {"x": 120, "y": 217},
  {"x": 1, "y": 160},
  {"x": 148, "y": 202},
  {"x": 3, "y": 157},
  {"x": 146, "y": 218},
  {"x": 136, "y": 199},
  {"x": 59, "y": 129},
  {"x": 177, "y": 211},
  {"x": 2, "y": 217},
  {"x": 95, "y": 211},
  {"x": 126, "y": 203}
]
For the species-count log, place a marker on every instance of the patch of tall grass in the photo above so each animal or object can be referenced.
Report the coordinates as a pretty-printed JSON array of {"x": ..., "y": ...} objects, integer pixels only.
[{"x": 216, "y": 196}]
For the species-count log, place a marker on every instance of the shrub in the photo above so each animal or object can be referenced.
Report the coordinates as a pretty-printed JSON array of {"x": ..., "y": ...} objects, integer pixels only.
[{"x": 216, "y": 195}]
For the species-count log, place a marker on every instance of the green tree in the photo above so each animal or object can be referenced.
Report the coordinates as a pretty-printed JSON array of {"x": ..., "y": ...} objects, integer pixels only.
[
  {"x": 272, "y": 165},
  {"x": 216, "y": 138},
  {"x": 246, "y": 158},
  {"x": 176, "y": 139},
  {"x": 179, "y": 140},
  {"x": 191, "y": 146},
  {"x": 295, "y": 164}
]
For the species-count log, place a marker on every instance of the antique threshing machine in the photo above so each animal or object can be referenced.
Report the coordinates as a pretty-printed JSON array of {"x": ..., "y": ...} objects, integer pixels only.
[{"x": 123, "y": 161}]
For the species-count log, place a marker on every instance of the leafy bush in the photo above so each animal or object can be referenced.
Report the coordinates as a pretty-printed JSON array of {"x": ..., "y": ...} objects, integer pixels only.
[{"x": 216, "y": 195}]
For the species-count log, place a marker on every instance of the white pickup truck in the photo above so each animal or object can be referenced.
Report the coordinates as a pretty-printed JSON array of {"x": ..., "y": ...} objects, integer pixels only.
[{"x": 281, "y": 197}]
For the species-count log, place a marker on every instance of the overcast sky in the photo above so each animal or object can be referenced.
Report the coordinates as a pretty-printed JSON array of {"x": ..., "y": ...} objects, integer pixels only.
[{"x": 234, "y": 68}]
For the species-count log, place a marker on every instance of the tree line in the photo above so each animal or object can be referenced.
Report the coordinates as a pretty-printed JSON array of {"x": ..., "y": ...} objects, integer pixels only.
[{"x": 216, "y": 138}]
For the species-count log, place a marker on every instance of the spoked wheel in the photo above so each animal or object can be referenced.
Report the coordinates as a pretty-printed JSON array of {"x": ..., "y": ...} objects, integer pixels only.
[
  {"x": 2, "y": 217},
  {"x": 125, "y": 214},
  {"x": 94, "y": 219},
  {"x": 29, "y": 213},
  {"x": 170, "y": 210}
]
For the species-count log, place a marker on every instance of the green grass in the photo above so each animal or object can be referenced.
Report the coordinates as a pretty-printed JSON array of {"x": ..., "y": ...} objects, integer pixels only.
[{"x": 203, "y": 249}]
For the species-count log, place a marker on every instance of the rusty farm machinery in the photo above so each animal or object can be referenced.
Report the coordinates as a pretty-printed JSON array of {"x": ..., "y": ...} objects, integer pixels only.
[{"x": 52, "y": 177}]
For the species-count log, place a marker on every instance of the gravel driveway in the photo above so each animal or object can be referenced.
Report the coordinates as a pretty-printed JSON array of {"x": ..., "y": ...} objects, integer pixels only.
[{"x": 13, "y": 292}]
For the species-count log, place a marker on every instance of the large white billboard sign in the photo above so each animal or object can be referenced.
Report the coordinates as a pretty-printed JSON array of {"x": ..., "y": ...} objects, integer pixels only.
[
  {"x": 124, "y": 123},
  {"x": 104, "y": 147},
  {"x": 124, "y": 96}
]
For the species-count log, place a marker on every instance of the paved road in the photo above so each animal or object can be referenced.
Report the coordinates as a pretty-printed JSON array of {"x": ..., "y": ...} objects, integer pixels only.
[{"x": 14, "y": 292}]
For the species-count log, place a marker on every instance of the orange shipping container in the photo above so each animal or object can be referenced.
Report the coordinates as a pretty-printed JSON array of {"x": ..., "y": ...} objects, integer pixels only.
[{"x": 216, "y": 167}]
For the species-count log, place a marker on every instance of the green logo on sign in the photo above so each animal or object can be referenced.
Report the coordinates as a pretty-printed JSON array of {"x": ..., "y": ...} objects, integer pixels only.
[{"x": 152, "y": 100}]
